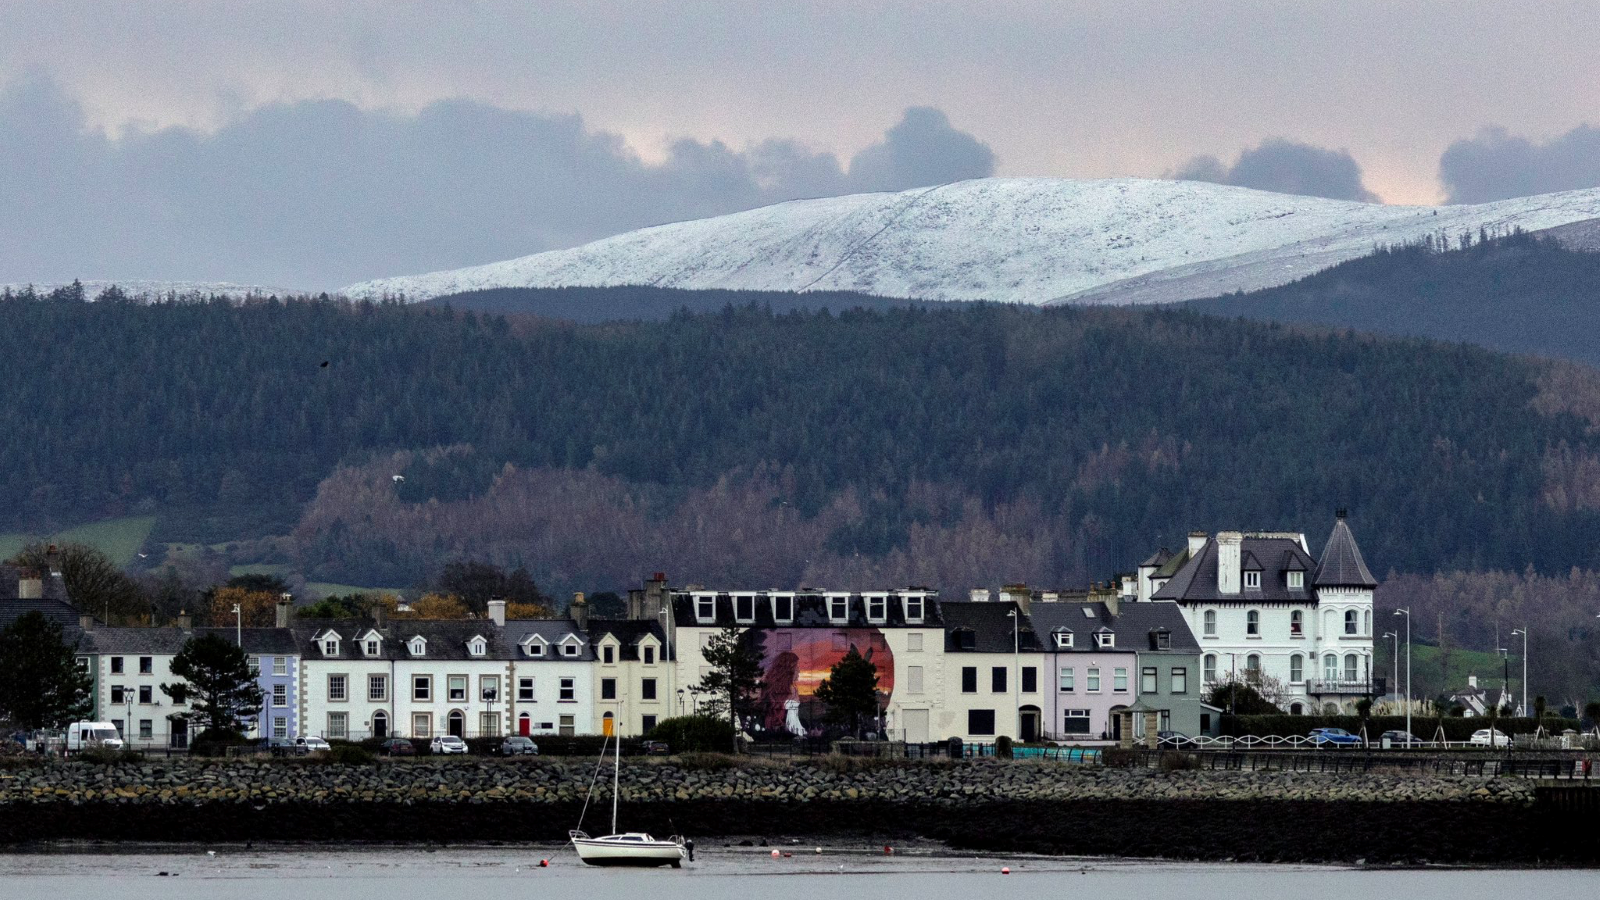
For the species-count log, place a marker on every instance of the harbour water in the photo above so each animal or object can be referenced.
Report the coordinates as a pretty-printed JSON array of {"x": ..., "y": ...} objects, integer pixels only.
[{"x": 723, "y": 873}]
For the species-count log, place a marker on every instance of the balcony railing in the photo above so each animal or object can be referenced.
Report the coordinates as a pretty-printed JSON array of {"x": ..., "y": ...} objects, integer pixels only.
[{"x": 1360, "y": 687}]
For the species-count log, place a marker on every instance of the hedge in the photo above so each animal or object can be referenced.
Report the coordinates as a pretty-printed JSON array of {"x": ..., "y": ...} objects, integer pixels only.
[{"x": 1425, "y": 728}]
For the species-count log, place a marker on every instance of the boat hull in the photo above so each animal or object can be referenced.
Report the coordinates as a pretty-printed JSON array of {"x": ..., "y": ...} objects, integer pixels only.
[{"x": 646, "y": 855}]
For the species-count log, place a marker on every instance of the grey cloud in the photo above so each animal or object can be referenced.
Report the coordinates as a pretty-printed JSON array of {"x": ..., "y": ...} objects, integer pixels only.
[
  {"x": 1287, "y": 167},
  {"x": 1496, "y": 165},
  {"x": 317, "y": 194}
]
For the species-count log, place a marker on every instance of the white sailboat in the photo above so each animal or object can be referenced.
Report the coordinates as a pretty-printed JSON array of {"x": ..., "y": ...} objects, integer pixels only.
[{"x": 631, "y": 848}]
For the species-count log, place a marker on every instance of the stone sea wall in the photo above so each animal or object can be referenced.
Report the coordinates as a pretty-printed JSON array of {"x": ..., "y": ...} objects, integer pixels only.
[{"x": 985, "y": 804}]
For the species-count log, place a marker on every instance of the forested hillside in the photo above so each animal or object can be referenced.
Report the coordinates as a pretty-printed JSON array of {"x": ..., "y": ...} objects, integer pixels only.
[
  {"x": 1521, "y": 294},
  {"x": 592, "y": 305},
  {"x": 943, "y": 446}
]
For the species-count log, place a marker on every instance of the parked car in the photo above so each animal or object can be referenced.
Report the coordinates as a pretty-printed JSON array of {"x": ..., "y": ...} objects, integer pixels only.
[
  {"x": 1334, "y": 737},
  {"x": 310, "y": 744},
  {"x": 1175, "y": 740},
  {"x": 397, "y": 747},
  {"x": 446, "y": 744},
  {"x": 279, "y": 746},
  {"x": 518, "y": 745},
  {"x": 1399, "y": 739},
  {"x": 1490, "y": 737},
  {"x": 656, "y": 748}
]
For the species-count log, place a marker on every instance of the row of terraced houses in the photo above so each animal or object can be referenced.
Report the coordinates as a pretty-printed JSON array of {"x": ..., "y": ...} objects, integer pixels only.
[{"x": 1078, "y": 666}]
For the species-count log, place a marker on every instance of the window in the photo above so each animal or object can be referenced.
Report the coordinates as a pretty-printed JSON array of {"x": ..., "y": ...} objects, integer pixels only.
[
  {"x": 1163, "y": 639},
  {"x": 705, "y": 608},
  {"x": 371, "y": 647},
  {"x": 255, "y": 665},
  {"x": 118, "y": 725},
  {"x": 147, "y": 729},
  {"x": 608, "y": 689},
  {"x": 914, "y": 641},
  {"x": 1063, "y": 640},
  {"x": 489, "y": 724},
  {"x": 421, "y": 725},
  {"x": 980, "y": 721},
  {"x": 649, "y": 655},
  {"x": 1330, "y": 668},
  {"x": 570, "y": 649},
  {"x": 146, "y": 665},
  {"x": 1352, "y": 670},
  {"x": 1366, "y": 622},
  {"x": 1210, "y": 623},
  {"x": 280, "y": 726},
  {"x": 969, "y": 679},
  {"x": 477, "y": 647},
  {"x": 1297, "y": 668},
  {"x": 744, "y": 608},
  {"x": 1297, "y": 580},
  {"x": 1147, "y": 680},
  {"x": 280, "y": 695},
  {"x": 782, "y": 608},
  {"x": 568, "y": 726},
  {"x": 330, "y": 647},
  {"x": 422, "y": 687},
  {"x": 1252, "y": 623},
  {"x": 489, "y": 688},
  {"x": 838, "y": 609},
  {"x": 877, "y": 608},
  {"x": 83, "y": 664},
  {"x": 1296, "y": 623},
  {"x": 146, "y": 694},
  {"x": 647, "y": 724},
  {"x": 377, "y": 688},
  {"x": 608, "y": 655},
  {"x": 1067, "y": 678},
  {"x": 1119, "y": 680},
  {"x": 647, "y": 689},
  {"x": 418, "y": 646},
  {"x": 1075, "y": 721},
  {"x": 913, "y": 679},
  {"x": 1180, "y": 680},
  {"x": 913, "y": 608},
  {"x": 336, "y": 689},
  {"x": 280, "y": 665},
  {"x": 1252, "y": 579},
  {"x": 1208, "y": 668},
  {"x": 1252, "y": 667},
  {"x": 338, "y": 725},
  {"x": 1030, "y": 680},
  {"x": 1352, "y": 623},
  {"x": 569, "y": 690},
  {"x": 116, "y": 665},
  {"x": 524, "y": 690},
  {"x": 456, "y": 687},
  {"x": 533, "y": 648},
  {"x": 997, "y": 679},
  {"x": 117, "y": 692},
  {"x": 1093, "y": 685},
  {"x": 1104, "y": 639}
]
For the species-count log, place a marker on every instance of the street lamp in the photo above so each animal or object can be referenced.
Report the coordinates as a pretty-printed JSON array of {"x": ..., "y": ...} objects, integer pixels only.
[
  {"x": 1524, "y": 632},
  {"x": 1016, "y": 666},
  {"x": 680, "y": 701},
  {"x": 1407, "y": 613},
  {"x": 238, "y": 626},
  {"x": 1396, "y": 636}
]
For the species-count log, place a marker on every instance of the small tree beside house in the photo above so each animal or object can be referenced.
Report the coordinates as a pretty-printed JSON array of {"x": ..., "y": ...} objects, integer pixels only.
[
  {"x": 850, "y": 692},
  {"x": 218, "y": 686},
  {"x": 41, "y": 685},
  {"x": 734, "y": 679}
]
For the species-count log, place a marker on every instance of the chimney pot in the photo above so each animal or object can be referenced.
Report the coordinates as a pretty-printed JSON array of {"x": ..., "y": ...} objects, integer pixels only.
[
  {"x": 185, "y": 621},
  {"x": 1197, "y": 542}
]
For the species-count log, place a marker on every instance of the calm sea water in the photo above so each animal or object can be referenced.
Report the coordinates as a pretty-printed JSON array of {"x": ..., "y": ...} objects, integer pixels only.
[{"x": 732, "y": 873}]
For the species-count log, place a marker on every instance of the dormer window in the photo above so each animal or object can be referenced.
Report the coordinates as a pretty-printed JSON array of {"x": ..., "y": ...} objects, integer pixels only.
[
  {"x": 372, "y": 647},
  {"x": 534, "y": 648},
  {"x": 1252, "y": 579},
  {"x": 1063, "y": 640},
  {"x": 1105, "y": 639},
  {"x": 608, "y": 654},
  {"x": 782, "y": 608},
  {"x": 477, "y": 647},
  {"x": 330, "y": 646},
  {"x": 913, "y": 608},
  {"x": 1161, "y": 639},
  {"x": 744, "y": 608},
  {"x": 418, "y": 646},
  {"x": 705, "y": 608},
  {"x": 569, "y": 650},
  {"x": 838, "y": 609},
  {"x": 877, "y": 609},
  {"x": 1297, "y": 580}
]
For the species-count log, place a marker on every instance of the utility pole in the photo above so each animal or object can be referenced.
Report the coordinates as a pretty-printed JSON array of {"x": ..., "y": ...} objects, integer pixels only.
[
  {"x": 1407, "y": 613},
  {"x": 1524, "y": 632}
]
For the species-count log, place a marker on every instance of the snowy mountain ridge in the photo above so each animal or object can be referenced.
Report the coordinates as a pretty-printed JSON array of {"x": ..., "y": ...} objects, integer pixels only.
[{"x": 1031, "y": 240}]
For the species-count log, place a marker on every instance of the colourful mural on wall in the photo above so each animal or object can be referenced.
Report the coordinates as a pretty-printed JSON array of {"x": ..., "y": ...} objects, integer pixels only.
[{"x": 796, "y": 660}]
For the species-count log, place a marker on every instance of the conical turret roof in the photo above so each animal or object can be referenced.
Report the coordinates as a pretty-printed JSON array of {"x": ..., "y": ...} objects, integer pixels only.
[{"x": 1341, "y": 564}]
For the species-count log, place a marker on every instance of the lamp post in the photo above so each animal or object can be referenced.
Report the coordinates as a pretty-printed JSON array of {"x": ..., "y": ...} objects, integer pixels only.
[
  {"x": 1524, "y": 632},
  {"x": 671, "y": 662},
  {"x": 1016, "y": 667},
  {"x": 680, "y": 702},
  {"x": 1396, "y": 636},
  {"x": 238, "y": 626},
  {"x": 1407, "y": 613}
]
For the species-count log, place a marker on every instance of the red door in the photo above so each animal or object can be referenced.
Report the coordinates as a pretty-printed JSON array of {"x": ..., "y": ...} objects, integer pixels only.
[{"x": 523, "y": 725}]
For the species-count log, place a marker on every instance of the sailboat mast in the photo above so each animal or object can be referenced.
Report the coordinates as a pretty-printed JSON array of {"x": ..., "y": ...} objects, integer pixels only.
[{"x": 616, "y": 777}]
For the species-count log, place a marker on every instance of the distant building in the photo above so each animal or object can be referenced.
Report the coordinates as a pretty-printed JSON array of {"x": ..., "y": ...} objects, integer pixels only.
[{"x": 1478, "y": 701}]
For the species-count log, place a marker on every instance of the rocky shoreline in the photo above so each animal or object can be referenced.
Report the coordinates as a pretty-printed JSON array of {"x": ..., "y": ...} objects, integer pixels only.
[{"x": 981, "y": 805}]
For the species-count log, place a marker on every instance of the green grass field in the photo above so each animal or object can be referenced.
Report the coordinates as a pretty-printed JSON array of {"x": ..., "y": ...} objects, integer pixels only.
[
  {"x": 1426, "y": 676},
  {"x": 278, "y": 569},
  {"x": 327, "y": 589},
  {"x": 118, "y": 539}
]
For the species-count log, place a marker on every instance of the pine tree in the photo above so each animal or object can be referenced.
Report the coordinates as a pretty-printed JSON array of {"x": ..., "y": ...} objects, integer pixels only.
[
  {"x": 217, "y": 684},
  {"x": 850, "y": 692},
  {"x": 41, "y": 685},
  {"x": 735, "y": 676}
]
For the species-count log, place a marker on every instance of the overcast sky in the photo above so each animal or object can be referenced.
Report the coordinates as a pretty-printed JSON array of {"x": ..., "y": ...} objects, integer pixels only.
[{"x": 314, "y": 143}]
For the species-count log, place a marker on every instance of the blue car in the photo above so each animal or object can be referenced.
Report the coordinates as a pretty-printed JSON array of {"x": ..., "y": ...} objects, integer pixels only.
[{"x": 1334, "y": 737}]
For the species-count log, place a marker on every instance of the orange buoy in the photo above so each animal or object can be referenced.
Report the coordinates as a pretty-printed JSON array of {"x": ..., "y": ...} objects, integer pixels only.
[{"x": 1005, "y": 870}]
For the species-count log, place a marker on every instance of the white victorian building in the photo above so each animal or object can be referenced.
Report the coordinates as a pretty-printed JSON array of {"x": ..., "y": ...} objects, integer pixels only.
[{"x": 1264, "y": 610}]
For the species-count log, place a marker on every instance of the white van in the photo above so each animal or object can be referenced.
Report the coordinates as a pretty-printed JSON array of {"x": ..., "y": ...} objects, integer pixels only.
[{"x": 89, "y": 735}]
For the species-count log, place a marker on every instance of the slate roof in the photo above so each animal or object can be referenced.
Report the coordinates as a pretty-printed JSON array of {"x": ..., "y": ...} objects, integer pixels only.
[
  {"x": 629, "y": 633},
  {"x": 168, "y": 641},
  {"x": 1158, "y": 558},
  {"x": 446, "y": 638},
  {"x": 59, "y": 611},
  {"x": 1196, "y": 580},
  {"x": 1132, "y": 625},
  {"x": 990, "y": 625},
  {"x": 810, "y": 611},
  {"x": 1342, "y": 565}
]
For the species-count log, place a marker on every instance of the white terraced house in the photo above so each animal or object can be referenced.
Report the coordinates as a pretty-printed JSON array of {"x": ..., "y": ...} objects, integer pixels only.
[{"x": 1262, "y": 608}]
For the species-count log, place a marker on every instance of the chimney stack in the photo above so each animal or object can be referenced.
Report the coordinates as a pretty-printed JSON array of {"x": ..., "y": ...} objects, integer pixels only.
[
  {"x": 285, "y": 603},
  {"x": 86, "y": 622},
  {"x": 1197, "y": 542},
  {"x": 1020, "y": 595},
  {"x": 185, "y": 621},
  {"x": 380, "y": 615},
  {"x": 579, "y": 611},
  {"x": 497, "y": 612},
  {"x": 1130, "y": 588},
  {"x": 29, "y": 585},
  {"x": 52, "y": 560},
  {"x": 978, "y": 595},
  {"x": 1230, "y": 562}
]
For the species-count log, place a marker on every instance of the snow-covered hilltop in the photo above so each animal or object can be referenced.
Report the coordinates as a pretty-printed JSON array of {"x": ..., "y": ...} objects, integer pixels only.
[{"x": 1032, "y": 240}]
